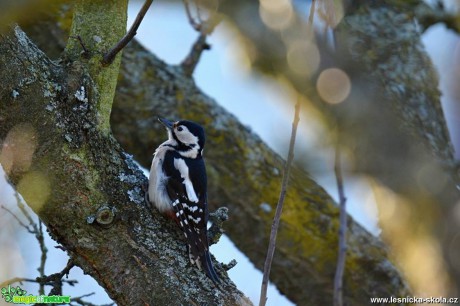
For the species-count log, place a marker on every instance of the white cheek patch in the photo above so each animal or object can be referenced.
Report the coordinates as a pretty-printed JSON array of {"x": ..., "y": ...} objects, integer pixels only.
[
  {"x": 185, "y": 136},
  {"x": 180, "y": 165}
]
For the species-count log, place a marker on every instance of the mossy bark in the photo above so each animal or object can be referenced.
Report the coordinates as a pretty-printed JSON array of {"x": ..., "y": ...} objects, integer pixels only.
[
  {"x": 100, "y": 24},
  {"x": 245, "y": 175},
  {"x": 66, "y": 165},
  {"x": 392, "y": 122},
  {"x": 247, "y": 182}
]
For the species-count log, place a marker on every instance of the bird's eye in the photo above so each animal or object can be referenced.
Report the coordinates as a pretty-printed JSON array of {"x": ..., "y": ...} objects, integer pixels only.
[{"x": 180, "y": 129}]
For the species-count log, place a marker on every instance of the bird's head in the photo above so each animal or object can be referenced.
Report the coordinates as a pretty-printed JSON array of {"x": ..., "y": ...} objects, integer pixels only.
[{"x": 187, "y": 136}]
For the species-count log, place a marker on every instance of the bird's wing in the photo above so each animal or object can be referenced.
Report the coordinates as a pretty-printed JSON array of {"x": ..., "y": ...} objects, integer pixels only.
[{"x": 186, "y": 186}]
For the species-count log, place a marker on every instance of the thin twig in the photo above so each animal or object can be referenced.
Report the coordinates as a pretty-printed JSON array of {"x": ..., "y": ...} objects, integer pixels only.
[
  {"x": 196, "y": 25},
  {"x": 204, "y": 28},
  {"x": 20, "y": 280},
  {"x": 312, "y": 13},
  {"x": 16, "y": 280},
  {"x": 19, "y": 220},
  {"x": 57, "y": 280},
  {"x": 190, "y": 62},
  {"x": 44, "y": 250},
  {"x": 279, "y": 207},
  {"x": 24, "y": 211},
  {"x": 342, "y": 252},
  {"x": 110, "y": 56},
  {"x": 79, "y": 301},
  {"x": 80, "y": 40},
  {"x": 37, "y": 230}
]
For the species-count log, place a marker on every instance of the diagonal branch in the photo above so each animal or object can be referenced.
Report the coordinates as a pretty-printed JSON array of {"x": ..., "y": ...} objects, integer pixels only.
[
  {"x": 204, "y": 28},
  {"x": 30, "y": 230},
  {"x": 35, "y": 229},
  {"x": 279, "y": 207},
  {"x": 189, "y": 63},
  {"x": 110, "y": 55},
  {"x": 197, "y": 25},
  {"x": 144, "y": 249},
  {"x": 342, "y": 251}
]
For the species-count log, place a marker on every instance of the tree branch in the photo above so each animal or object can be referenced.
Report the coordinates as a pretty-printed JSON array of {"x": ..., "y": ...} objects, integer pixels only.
[
  {"x": 100, "y": 24},
  {"x": 110, "y": 55},
  {"x": 204, "y": 28},
  {"x": 198, "y": 26},
  {"x": 37, "y": 230},
  {"x": 394, "y": 125},
  {"x": 243, "y": 174},
  {"x": 189, "y": 63},
  {"x": 279, "y": 208},
  {"x": 76, "y": 169},
  {"x": 342, "y": 247},
  {"x": 308, "y": 262}
]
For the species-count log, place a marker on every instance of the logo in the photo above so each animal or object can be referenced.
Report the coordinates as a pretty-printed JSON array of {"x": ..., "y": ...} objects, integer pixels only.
[{"x": 18, "y": 296}]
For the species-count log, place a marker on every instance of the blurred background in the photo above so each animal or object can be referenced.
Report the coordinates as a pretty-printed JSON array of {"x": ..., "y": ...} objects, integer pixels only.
[{"x": 264, "y": 102}]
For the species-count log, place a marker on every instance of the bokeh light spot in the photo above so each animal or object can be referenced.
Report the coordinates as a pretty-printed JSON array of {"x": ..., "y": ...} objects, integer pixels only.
[
  {"x": 303, "y": 57},
  {"x": 18, "y": 148},
  {"x": 276, "y": 14},
  {"x": 35, "y": 189},
  {"x": 333, "y": 85}
]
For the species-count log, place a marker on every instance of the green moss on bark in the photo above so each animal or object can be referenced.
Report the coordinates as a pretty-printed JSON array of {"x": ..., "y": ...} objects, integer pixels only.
[{"x": 100, "y": 24}]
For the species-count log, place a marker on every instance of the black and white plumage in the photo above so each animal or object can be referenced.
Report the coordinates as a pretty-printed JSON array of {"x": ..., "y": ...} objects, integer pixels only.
[{"x": 178, "y": 187}]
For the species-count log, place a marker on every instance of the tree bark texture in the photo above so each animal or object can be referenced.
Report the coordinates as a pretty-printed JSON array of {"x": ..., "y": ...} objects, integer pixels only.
[
  {"x": 392, "y": 122},
  {"x": 66, "y": 167},
  {"x": 245, "y": 175},
  {"x": 87, "y": 169}
]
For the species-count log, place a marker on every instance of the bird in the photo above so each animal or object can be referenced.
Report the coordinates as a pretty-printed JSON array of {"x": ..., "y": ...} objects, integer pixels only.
[{"x": 178, "y": 187}]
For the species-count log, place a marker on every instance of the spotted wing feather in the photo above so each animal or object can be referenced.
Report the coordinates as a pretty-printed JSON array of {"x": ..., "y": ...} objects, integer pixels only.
[{"x": 192, "y": 215}]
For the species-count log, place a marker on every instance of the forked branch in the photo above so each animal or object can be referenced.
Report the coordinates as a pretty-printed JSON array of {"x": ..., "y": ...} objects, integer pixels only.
[{"x": 204, "y": 28}]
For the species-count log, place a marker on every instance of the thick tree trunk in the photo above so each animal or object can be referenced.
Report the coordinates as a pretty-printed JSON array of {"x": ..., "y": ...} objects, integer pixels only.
[
  {"x": 67, "y": 168},
  {"x": 245, "y": 175},
  {"x": 392, "y": 122}
]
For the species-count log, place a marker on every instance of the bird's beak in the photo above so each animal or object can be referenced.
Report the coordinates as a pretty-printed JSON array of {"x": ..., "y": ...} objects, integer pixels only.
[{"x": 168, "y": 124}]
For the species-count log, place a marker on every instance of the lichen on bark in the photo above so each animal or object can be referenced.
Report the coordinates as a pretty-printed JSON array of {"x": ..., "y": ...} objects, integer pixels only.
[
  {"x": 141, "y": 258},
  {"x": 100, "y": 25}
]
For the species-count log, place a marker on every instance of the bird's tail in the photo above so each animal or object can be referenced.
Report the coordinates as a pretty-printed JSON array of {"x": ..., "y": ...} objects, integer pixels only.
[
  {"x": 203, "y": 261},
  {"x": 209, "y": 268}
]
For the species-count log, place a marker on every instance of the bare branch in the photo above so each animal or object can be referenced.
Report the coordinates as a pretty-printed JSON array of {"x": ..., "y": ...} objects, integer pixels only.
[
  {"x": 37, "y": 230},
  {"x": 312, "y": 14},
  {"x": 205, "y": 28},
  {"x": 279, "y": 207},
  {"x": 79, "y": 301},
  {"x": 110, "y": 56},
  {"x": 30, "y": 230},
  {"x": 20, "y": 280},
  {"x": 16, "y": 280},
  {"x": 190, "y": 62},
  {"x": 342, "y": 251},
  {"x": 56, "y": 278},
  {"x": 196, "y": 25},
  {"x": 24, "y": 211},
  {"x": 44, "y": 250},
  {"x": 86, "y": 52}
]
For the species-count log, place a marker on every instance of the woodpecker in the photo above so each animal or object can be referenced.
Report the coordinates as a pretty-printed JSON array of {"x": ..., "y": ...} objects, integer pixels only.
[{"x": 178, "y": 187}]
